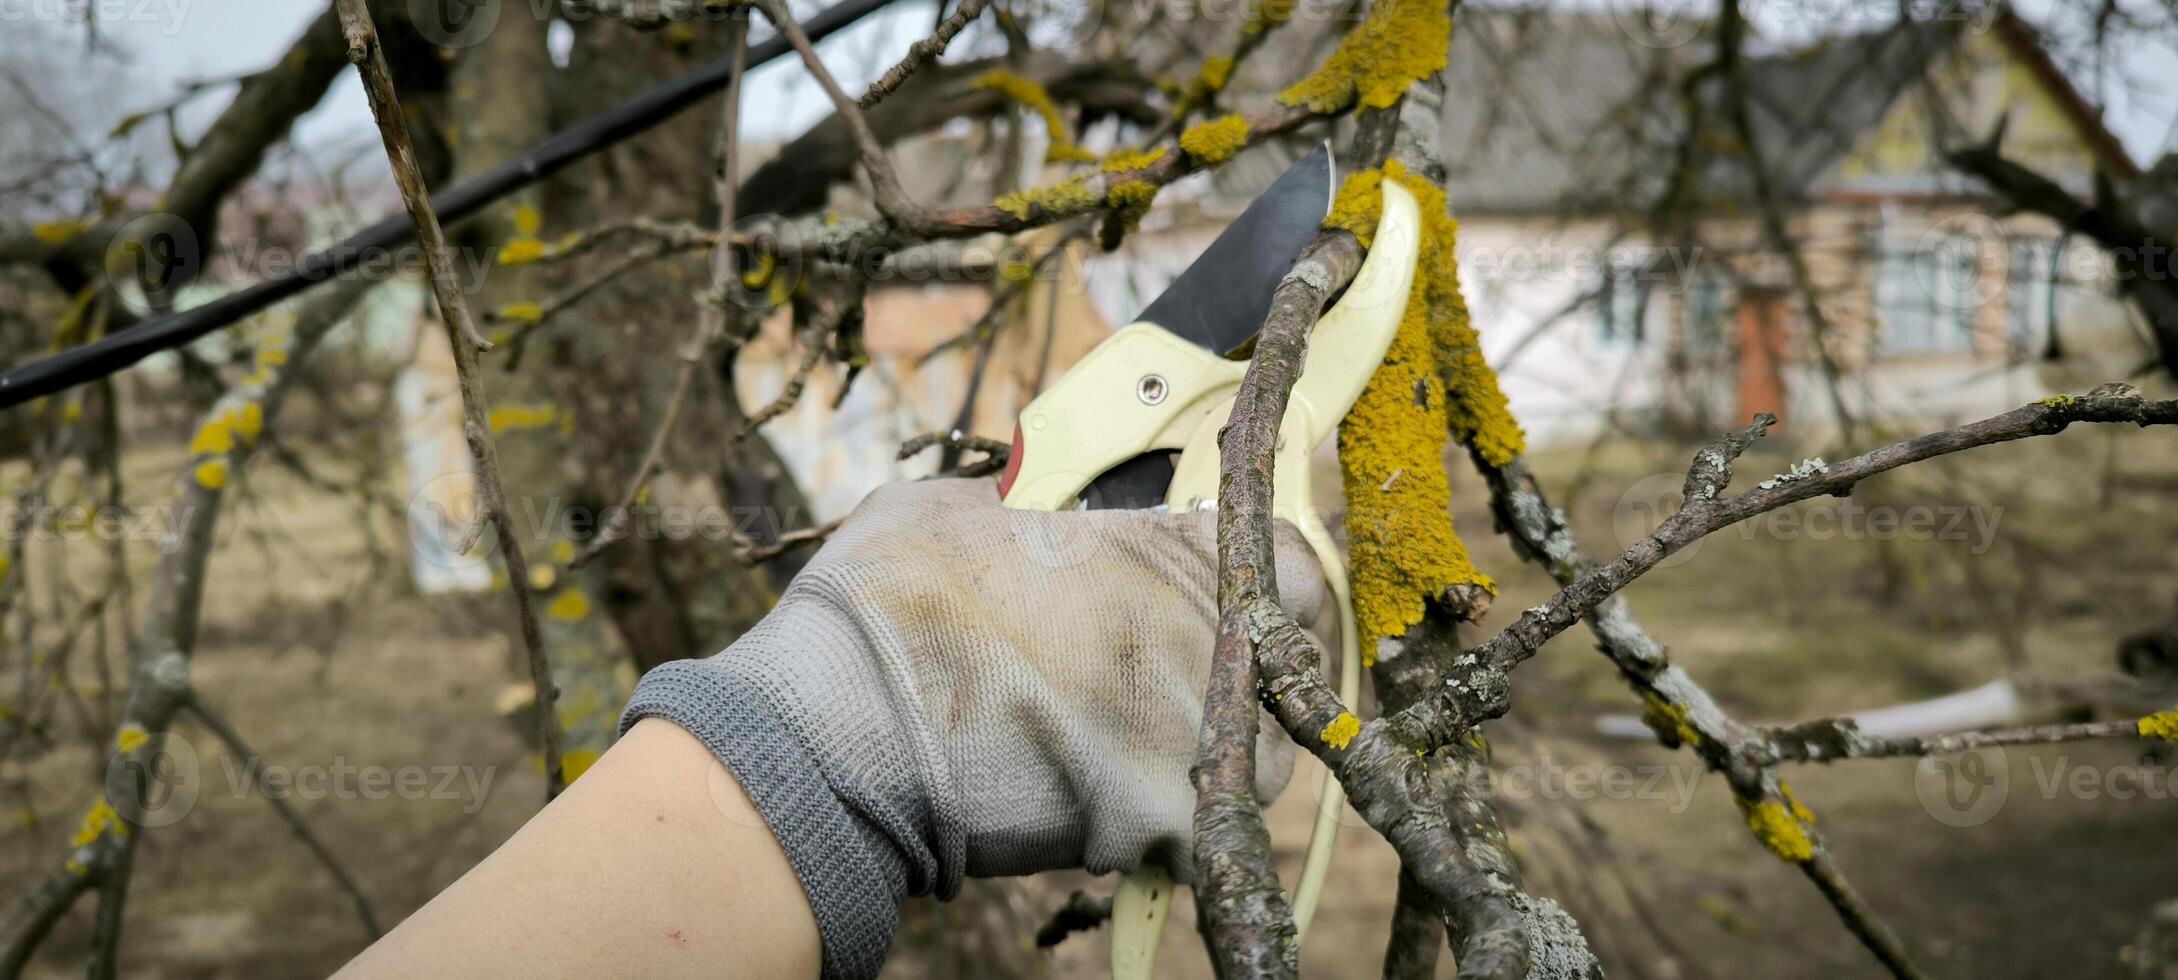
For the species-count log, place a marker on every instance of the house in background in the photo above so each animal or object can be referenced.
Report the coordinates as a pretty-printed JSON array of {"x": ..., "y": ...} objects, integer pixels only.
[
  {"x": 1600, "y": 308},
  {"x": 1601, "y": 311}
]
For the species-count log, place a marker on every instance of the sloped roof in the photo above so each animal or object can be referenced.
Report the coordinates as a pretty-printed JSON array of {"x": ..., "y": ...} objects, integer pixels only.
[
  {"x": 1570, "y": 112},
  {"x": 1549, "y": 111}
]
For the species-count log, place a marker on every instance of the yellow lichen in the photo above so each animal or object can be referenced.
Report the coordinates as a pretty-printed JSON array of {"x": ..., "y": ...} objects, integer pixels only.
[
  {"x": 131, "y": 737},
  {"x": 527, "y": 221},
  {"x": 759, "y": 272},
  {"x": 1064, "y": 198},
  {"x": 1716, "y": 908},
  {"x": 522, "y": 251},
  {"x": 247, "y": 421},
  {"x": 517, "y": 417},
  {"x": 214, "y": 436},
  {"x": 240, "y": 424},
  {"x": 1214, "y": 142},
  {"x": 1341, "y": 731},
  {"x": 271, "y": 357},
  {"x": 1132, "y": 199},
  {"x": 1391, "y": 445},
  {"x": 575, "y": 762},
  {"x": 563, "y": 551},
  {"x": 97, "y": 822},
  {"x": 1669, "y": 721},
  {"x": 1399, "y": 43},
  {"x": 1799, "y": 812},
  {"x": 1125, "y": 160},
  {"x": 572, "y": 606},
  {"x": 58, "y": 232},
  {"x": 212, "y": 474},
  {"x": 1267, "y": 14},
  {"x": 2162, "y": 724},
  {"x": 1781, "y": 828},
  {"x": 1216, "y": 71},
  {"x": 1033, "y": 97},
  {"x": 521, "y": 313}
]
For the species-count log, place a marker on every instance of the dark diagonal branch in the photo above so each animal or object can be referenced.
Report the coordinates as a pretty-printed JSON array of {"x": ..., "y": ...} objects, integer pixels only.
[
  {"x": 286, "y": 810},
  {"x": 892, "y": 199},
  {"x": 1708, "y": 510},
  {"x": 364, "y": 50}
]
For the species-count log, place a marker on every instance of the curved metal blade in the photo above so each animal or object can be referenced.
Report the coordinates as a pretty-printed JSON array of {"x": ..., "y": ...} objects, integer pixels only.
[{"x": 1220, "y": 301}]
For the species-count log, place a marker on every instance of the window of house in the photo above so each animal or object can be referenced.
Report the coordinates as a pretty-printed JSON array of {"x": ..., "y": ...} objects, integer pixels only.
[
  {"x": 1706, "y": 309},
  {"x": 1924, "y": 295},
  {"x": 1622, "y": 301},
  {"x": 2030, "y": 286}
]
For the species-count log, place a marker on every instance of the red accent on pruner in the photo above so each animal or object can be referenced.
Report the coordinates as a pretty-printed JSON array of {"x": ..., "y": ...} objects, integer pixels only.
[{"x": 1013, "y": 464}]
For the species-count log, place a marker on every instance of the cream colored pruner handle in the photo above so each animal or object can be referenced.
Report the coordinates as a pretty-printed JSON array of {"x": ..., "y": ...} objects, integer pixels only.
[
  {"x": 1144, "y": 389},
  {"x": 1345, "y": 349}
]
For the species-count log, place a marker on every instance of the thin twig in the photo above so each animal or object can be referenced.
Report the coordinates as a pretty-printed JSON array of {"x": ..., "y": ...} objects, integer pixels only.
[
  {"x": 710, "y": 321},
  {"x": 922, "y": 52},
  {"x": 1834, "y": 739},
  {"x": 370, "y": 60},
  {"x": 294, "y": 820},
  {"x": 751, "y": 553},
  {"x": 840, "y": 312},
  {"x": 892, "y": 200},
  {"x": 995, "y": 452},
  {"x": 1708, "y": 510}
]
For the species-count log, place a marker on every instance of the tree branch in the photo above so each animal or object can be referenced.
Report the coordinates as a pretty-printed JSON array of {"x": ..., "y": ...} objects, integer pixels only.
[
  {"x": 1244, "y": 912},
  {"x": 294, "y": 820},
  {"x": 369, "y": 57}
]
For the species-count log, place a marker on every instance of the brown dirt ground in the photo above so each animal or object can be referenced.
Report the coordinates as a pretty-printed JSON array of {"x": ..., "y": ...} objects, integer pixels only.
[{"x": 317, "y": 662}]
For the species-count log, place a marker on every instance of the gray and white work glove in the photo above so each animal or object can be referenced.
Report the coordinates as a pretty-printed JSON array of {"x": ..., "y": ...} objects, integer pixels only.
[{"x": 952, "y": 688}]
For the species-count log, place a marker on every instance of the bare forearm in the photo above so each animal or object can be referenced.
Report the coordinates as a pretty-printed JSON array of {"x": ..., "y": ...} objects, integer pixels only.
[{"x": 654, "y": 864}]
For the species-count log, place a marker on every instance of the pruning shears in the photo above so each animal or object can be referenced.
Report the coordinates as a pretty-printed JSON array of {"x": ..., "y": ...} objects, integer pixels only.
[{"x": 1135, "y": 425}]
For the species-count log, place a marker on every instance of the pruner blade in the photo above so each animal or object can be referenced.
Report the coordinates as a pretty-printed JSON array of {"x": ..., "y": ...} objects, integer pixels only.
[{"x": 1219, "y": 302}]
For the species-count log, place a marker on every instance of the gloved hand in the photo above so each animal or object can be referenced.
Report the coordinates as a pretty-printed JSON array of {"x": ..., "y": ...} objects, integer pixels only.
[{"x": 952, "y": 688}]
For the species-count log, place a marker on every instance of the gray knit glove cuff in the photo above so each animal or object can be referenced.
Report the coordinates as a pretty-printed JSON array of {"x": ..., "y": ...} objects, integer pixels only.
[{"x": 951, "y": 688}]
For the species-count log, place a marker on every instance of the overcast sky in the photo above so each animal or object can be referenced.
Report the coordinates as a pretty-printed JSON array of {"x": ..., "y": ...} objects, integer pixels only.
[
  {"x": 176, "y": 40},
  {"x": 216, "y": 38}
]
